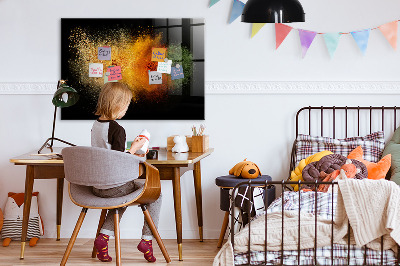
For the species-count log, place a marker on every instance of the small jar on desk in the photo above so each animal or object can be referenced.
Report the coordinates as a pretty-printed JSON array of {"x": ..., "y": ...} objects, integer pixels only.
[{"x": 228, "y": 182}]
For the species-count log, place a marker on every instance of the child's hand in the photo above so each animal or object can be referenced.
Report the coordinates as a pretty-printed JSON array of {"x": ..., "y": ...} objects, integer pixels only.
[
  {"x": 137, "y": 144},
  {"x": 142, "y": 155}
]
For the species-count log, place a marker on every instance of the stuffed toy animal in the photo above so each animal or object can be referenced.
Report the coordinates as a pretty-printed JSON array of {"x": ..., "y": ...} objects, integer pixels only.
[
  {"x": 245, "y": 169},
  {"x": 180, "y": 144},
  {"x": 13, "y": 215}
]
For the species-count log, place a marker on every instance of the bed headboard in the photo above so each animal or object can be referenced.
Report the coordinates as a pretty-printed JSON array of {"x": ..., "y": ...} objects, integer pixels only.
[
  {"x": 344, "y": 121},
  {"x": 377, "y": 115}
]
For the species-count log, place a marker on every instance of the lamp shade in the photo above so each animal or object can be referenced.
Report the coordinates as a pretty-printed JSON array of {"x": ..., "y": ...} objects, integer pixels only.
[
  {"x": 65, "y": 96},
  {"x": 273, "y": 11}
]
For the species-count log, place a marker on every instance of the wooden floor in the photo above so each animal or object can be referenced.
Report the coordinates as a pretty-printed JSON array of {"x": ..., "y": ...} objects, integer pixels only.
[{"x": 50, "y": 252}]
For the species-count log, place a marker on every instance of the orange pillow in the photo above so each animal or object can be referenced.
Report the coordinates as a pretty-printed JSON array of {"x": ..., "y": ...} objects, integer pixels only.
[{"x": 375, "y": 170}]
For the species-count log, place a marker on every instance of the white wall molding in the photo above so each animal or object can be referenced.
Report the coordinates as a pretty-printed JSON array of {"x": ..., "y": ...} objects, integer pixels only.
[
  {"x": 248, "y": 87},
  {"x": 303, "y": 87},
  {"x": 28, "y": 88}
]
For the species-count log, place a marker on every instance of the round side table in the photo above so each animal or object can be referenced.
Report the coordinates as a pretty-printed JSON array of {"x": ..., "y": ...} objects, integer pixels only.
[{"x": 228, "y": 182}]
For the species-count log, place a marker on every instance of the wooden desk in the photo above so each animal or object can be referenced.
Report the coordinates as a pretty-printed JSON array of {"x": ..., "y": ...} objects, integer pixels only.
[
  {"x": 40, "y": 167},
  {"x": 171, "y": 167}
]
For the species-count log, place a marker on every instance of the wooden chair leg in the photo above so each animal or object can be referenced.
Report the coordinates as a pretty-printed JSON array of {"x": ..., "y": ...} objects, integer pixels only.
[
  {"x": 154, "y": 230},
  {"x": 223, "y": 229},
  {"x": 73, "y": 237},
  {"x": 101, "y": 222},
  {"x": 117, "y": 238}
]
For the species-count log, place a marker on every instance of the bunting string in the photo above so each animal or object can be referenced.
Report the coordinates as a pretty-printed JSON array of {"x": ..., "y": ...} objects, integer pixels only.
[
  {"x": 376, "y": 28},
  {"x": 361, "y": 37}
]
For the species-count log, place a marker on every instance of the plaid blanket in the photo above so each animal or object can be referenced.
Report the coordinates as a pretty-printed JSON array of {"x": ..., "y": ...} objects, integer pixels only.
[
  {"x": 324, "y": 257},
  {"x": 307, "y": 202},
  {"x": 322, "y": 204}
]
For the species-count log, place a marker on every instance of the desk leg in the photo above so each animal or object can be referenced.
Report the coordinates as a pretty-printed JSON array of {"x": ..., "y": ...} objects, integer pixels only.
[
  {"x": 176, "y": 182},
  {"x": 60, "y": 190},
  {"x": 27, "y": 206},
  {"x": 199, "y": 204}
]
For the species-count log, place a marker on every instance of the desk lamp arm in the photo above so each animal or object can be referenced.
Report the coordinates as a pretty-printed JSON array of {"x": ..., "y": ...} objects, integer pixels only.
[{"x": 46, "y": 143}]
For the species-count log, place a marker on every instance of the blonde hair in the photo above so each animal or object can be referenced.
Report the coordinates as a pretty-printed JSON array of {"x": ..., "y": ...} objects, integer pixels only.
[{"x": 112, "y": 99}]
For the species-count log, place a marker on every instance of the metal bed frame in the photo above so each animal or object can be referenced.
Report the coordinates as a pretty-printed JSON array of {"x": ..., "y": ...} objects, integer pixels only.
[{"x": 283, "y": 184}]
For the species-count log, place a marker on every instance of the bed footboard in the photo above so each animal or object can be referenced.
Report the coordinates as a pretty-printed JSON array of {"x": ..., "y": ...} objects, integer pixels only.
[{"x": 309, "y": 256}]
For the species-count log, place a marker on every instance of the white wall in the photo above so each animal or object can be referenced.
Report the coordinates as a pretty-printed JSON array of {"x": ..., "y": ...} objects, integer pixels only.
[{"x": 258, "y": 126}]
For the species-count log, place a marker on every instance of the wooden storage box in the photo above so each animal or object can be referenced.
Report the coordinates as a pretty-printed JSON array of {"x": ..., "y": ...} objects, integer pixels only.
[
  {"x": 171, "y": 143},
  {"x": 200, "y": 143}
]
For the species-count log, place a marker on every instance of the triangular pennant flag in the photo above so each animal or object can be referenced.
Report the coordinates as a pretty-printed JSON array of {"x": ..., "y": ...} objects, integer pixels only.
[
  {"x": 361, "y": 37},
  {"x": 306, "y": 39},
  {"x": 281, "y": 31},
  {"x": 237, "y": 9},
  {"x": 332, "y": 41},
  {"x": 255, "y": 28},
  {"x": 390, "y": 32},
  {"x": 213, "y": 2}
]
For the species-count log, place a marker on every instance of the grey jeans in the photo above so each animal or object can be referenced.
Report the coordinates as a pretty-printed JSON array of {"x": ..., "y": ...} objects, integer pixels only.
[{"x": 154, "y": 208}]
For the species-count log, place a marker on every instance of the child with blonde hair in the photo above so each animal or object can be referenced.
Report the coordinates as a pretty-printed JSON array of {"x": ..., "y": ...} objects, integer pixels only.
[{"x": 113, "y": 102}]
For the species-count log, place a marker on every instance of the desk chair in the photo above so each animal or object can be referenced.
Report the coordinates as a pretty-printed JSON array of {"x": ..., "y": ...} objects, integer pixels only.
[{"x": 85, "y": 167}]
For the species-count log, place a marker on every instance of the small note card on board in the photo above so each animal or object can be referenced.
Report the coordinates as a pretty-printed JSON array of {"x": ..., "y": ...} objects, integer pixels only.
[
  {"x": 155, "y": 77},
  {"x": 106, "y": 74},
  {"x": 177, "y": 72},
  {"x": 104, "y": 53},
  {"x": 158, "y": 54},
  {"x": 115, "y": 73},
  {"x": 95, "y": 70},
  {"x": 164, "y": 67}
]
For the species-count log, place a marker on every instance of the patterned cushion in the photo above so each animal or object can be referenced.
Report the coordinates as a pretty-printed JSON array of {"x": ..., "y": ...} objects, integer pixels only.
[
  {"x": 372, "y": 144},
  {"x": 393, "y": 148}
]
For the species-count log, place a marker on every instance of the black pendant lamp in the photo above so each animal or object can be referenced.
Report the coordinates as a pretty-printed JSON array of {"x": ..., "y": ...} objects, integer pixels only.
[{"x": 273, "y": 11}]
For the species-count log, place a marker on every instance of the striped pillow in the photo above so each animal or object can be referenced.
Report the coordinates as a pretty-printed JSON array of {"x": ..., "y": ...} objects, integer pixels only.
[{"x": 372, "y": 145}]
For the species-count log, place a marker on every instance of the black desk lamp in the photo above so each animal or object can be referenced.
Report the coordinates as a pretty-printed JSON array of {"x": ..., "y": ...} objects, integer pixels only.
[
  {"x": 273, "y": 11},
  {"x": 65, "y": 96}
]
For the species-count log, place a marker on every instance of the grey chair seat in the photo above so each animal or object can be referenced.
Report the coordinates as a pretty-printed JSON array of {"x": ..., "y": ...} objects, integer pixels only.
[
  {"x": 83, "y": 196},
  {"x": 85, "y": 167}
]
